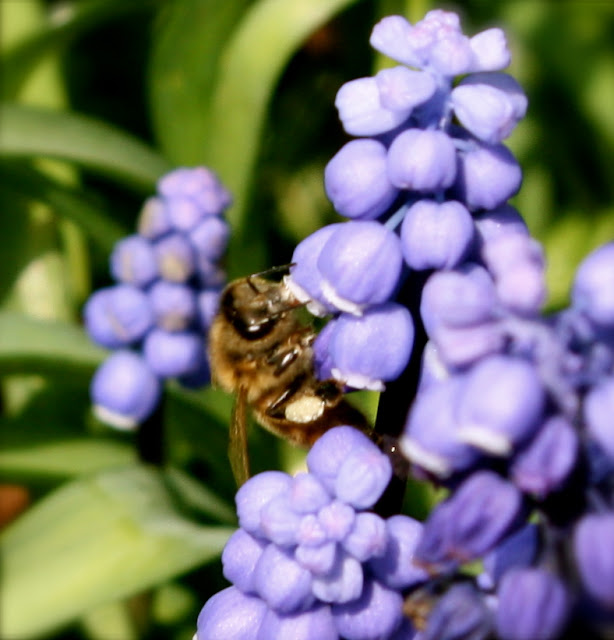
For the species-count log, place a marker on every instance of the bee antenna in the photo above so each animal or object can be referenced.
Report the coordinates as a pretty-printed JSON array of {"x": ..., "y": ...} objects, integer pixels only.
[{"x": 272, "y": 270}]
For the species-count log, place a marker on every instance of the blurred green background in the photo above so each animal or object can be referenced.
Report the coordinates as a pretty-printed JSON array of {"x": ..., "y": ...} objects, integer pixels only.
[{"x": 101, "y": 97}]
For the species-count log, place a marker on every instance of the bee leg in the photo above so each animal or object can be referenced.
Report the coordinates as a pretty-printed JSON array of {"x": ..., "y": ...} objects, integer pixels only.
[
  {"x": 277, "y": 408},
  {"x": 281, "y": 359},
  {"x": 237, "y": 443},
  {"x": 329, "y": 390}
]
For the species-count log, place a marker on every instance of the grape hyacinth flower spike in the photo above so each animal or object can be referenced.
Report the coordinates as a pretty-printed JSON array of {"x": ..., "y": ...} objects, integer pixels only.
[
  {"x": 157, "y": 315},
  {"x": 434, "y": 292},
  {"x": 311, "y": 557}
]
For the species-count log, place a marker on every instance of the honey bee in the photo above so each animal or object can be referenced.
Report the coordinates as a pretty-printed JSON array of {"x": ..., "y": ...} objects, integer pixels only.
[{"x": 261, "y": 350}]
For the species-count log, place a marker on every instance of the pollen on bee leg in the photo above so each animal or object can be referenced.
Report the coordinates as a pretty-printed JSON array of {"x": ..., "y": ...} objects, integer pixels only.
[{"x": 305, "y": 409}]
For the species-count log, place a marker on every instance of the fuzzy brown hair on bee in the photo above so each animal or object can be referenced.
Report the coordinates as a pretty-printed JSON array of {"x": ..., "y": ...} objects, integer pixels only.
[{"x": 261, "y": 350}]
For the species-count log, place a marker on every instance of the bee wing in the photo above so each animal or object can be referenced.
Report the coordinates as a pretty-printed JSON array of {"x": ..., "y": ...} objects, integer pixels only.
[{"x": 237, "y": 444}]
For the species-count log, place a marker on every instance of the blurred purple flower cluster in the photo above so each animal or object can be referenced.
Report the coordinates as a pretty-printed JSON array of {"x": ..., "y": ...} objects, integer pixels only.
[
  {"x": 519, "y": 427},
  {"x": 168, "y": 283},
  {"x": 514, "y": 409}
]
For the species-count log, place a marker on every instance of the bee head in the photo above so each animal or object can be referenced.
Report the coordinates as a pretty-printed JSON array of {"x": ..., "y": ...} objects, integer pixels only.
[{"x": 254, "y": 306}]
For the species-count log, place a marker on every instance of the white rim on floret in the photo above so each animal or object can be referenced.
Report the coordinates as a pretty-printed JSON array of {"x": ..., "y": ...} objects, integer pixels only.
[
  {"x": 487, "y": 440},
  {"x": 114, "y": 419},
  {"x": 347, "y": 306},
  {"x": 358, "y": 380},
  {"x": 314, "y": 307},
  {"x": 426, "y": 459}
]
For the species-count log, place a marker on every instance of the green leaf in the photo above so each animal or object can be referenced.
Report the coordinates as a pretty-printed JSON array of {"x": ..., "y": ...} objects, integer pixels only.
[
  {"x": 567, "y": 243},
  {"x": 200, "y": 498},
  {"x": 270, "y": 32},
  {"x": 65, "y": 200},
  {"x": 188, "y": 38},
  {"x": 20, "y": 60},
  {"x": 106, "y": 537},
  {"x": 66, "y": 457},
  {"x": 34, "y": 132},
  {"x": 44, "y": 346}
]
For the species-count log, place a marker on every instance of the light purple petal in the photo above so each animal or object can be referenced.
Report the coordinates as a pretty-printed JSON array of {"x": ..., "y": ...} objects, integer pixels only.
[
  {"x": 281, "y": 581},
  {"x": 376, "y": 614},
  {"x": 239, "y": 559},
  {"x": 315, "y": 624},
  {"x": 396, "y": 568},
  {"x": 230, "y": 615},
  {"x": 330, "y": 450},
  {"x": 257, "y": 492}
]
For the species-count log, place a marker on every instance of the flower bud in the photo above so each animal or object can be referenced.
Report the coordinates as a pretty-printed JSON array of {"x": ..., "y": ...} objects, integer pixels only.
[
  {"x": 434, "y": 38},
  {"x": 210, "y": 238},
  {"x": 257, "y": 492},
  {"x": 173, "y": 354},
  {"x": 489, "y": 105},
  {"x": 483, "y": 510},
  {"x": 281, "y": 581},
  {"x": 124, "y": 390},
  {"x": 133, "y": 261},
  {"x": 175, "y": 257},
  {"x": 173, "y": 304},
  {"x": 343, "y": 584},
  {"x": 401, "y": 88},
  {"x": 436, "y": 236},
  {"x": 517, "y": 550},
  {"x": 593, "y": 288},
  {"x": 319, "y": 560},
  {"x": 230, "y": 615},
  {"x": 430, "y": 437},
  {"x": 533, "y": 603},
  {"x": 311, "y": 533},
  {"x": 598, "y": 412},
  {"x": 396, "y": 568},
  {"x": 517, "y": 263},
  {"x": 460, "y": 613},
  {"x": 337, "y": 519},
  {"x": 279, "y": 523},
  {"x": 200, "y": 184},
  {"x": 183, "y": 213},
  {"x": 376, "y": 614},
  {"x": 330, "y": 451},
  {"x": 544, "y": 465},
  {"x": 451, "y": 55},
  {"x": 356, "y": 180},
  {"x": 239, "y": 559},
  {"x": 392, "y": 37},
  {"x": 153, "y": 220},
  {"x": 118, "y": 316},
  {"x": 487, "y": 176},
  {"x": 363, "y": 477},
  {"x": 462, "y": 346},
  {"x": 307, "y": 494},
  {"x": 500, "y": 221},
  {"x": 490, "y": 51},
  {"x": 316, "y": 622},
  {"x": 372, "y": 349},
  {"x": 368, "y": 537},
  {"x": 501, "y": 404},
  {"x": 464, "y": 297},
  {"x": 423, "y": 161},
  {"x": 360, "y": 265},
  {"x": 360, "y": 110},
  {"x": 594, "y": 553},
  {"x": 207, "y": 305},
  {"x": 305, "y": 280}
]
